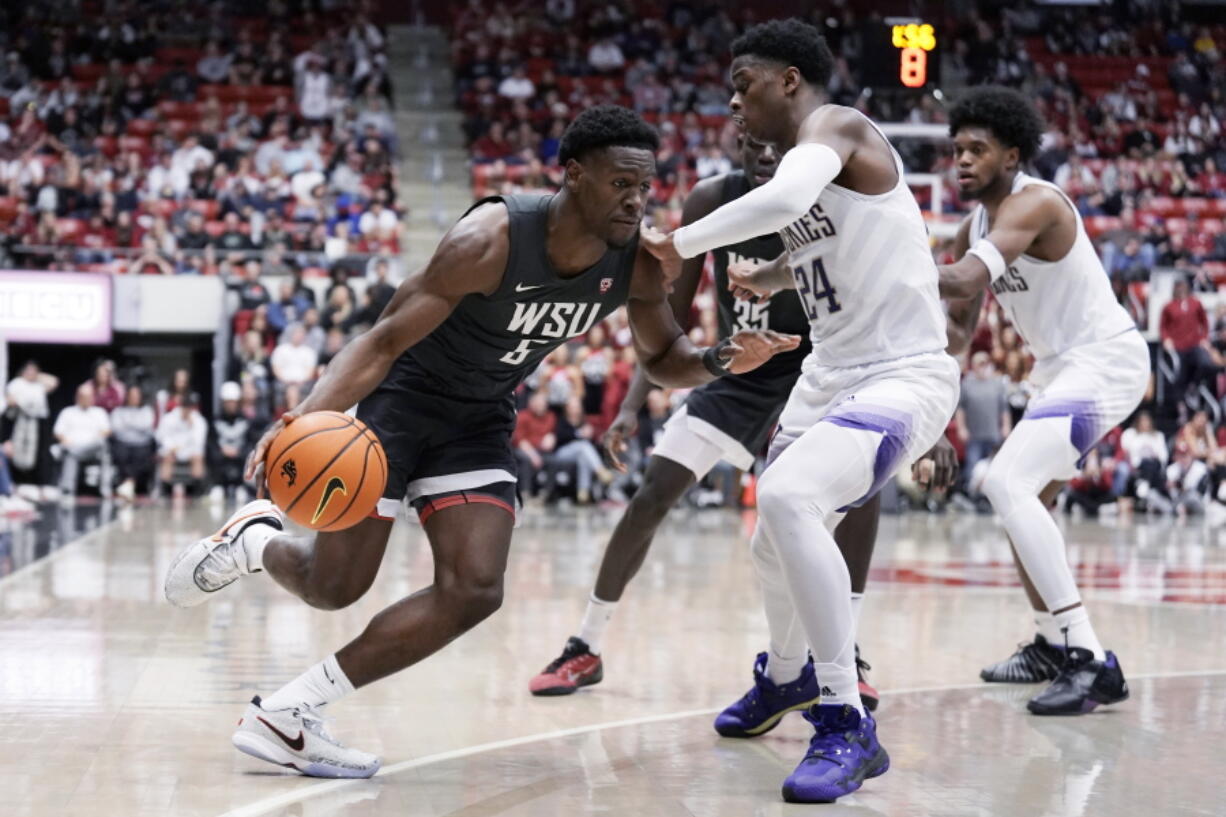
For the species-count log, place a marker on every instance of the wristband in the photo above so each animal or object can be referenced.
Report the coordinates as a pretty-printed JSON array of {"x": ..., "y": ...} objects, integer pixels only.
[
  {"x": 714, "y": 363},
  {"x": 986, "y": 252}
]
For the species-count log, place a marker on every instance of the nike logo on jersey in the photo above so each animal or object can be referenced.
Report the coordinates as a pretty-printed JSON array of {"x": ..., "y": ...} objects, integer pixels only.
[
  {"x": 522, "y": 288},
  {"x": 294, "y": 743},
  {"x": 334, "y": 485}
]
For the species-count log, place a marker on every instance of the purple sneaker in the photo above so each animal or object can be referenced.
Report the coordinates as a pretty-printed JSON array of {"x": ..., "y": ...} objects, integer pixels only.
[
  {"x": 843, "y": 753},
  {"x": 765, "y": 704}
]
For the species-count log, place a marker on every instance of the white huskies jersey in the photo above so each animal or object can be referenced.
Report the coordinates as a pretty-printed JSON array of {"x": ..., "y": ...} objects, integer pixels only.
[
  {"x": 865, "y": 275},
  {"x": 1056, "y": 305}
]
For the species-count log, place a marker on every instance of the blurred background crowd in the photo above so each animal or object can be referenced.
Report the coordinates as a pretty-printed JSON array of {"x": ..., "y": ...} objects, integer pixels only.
[{"x": 260, "y": 146}]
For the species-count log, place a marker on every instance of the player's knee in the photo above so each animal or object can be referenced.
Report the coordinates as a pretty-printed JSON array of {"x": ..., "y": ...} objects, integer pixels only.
[
  {"x": 997, "y": 488},
  {"x": 652, "y": 502},
  {"x": 474, "y": 595},
  {"x": 336, "y": 593},
  {"x": 779, "y": 495}
]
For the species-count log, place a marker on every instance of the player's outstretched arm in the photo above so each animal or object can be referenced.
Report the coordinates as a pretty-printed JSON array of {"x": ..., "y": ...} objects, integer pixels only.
[
  {"x": 470, "y": 259},
  {"x": 826, "y": 141},
  {"x": 962, "y": 316},
  {"x": 1020, "y": 219},
  {"x": 666, "y": 354}
]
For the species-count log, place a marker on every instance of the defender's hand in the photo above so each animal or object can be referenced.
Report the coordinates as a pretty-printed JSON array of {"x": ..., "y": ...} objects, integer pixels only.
[
  {"x": 661, "y": 246},
  {"x": 613, "y": 444},
  {"x": 255, "y": 462},
  {"x": 746, "y": 282},
  {"x": 938, "y": 468},
  {"x": 749, "y": 349}
]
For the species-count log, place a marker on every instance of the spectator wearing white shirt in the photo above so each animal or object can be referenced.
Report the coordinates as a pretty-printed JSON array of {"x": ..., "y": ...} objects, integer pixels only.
[
  {"x": 1147, "y": 453},
  {"x": 605, "y": 55},
  {"x": 313, "y": 89},
  {"x": 517, "y": 86},
  {"x": 294, "y": 362},
  {"x": 82, "y": 430},
  {"x": 166, "y": 178},
  {"x": 181, "y": 436},
  {"x": 378, "y": 222},
  {"x": 190, "y": 155}
]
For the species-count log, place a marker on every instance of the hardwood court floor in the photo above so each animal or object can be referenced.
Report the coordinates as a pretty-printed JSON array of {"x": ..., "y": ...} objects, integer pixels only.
[{"x": 113, "y": 703}]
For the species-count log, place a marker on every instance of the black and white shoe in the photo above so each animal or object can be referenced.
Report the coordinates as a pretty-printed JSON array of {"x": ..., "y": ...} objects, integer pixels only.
[{"x": 1038, "y": 661}]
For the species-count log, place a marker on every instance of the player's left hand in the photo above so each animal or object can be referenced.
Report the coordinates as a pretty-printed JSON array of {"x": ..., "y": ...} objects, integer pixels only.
[
  {"x": 749, "y": 349},
  {"x": 938, "y": 468},
  {"x": 661, "y": 246}
]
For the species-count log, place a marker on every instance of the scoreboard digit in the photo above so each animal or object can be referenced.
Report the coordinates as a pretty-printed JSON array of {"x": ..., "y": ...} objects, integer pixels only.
[{"x": 901, "y": 54}]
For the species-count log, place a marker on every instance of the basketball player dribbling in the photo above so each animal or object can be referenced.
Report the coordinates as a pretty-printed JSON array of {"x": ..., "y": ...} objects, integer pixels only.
[
  {"x": 878, "y": 389},
  {"x": 434, "y": 378},
  {"x": 1026, "y": 241}
]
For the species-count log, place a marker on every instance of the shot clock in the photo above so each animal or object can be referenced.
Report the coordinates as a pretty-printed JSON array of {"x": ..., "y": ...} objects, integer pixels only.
[{"x": 900, "y": 54}]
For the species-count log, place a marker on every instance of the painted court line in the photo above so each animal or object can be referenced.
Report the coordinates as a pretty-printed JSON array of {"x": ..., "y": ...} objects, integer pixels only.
[{"x": 268, "y": 804}]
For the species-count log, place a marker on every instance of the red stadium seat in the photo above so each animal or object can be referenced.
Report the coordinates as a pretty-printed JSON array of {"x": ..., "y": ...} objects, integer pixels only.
[{"x": 208, "y": 208}]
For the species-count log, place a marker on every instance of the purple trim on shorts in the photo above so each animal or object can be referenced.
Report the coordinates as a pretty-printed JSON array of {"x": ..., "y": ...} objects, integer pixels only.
[
  {"x": 895, "y": 428},
  {"x": 1084, "y": 413}
]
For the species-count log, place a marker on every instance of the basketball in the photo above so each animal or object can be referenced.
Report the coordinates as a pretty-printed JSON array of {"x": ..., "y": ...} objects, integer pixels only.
[{"x": 326, "y": 470}]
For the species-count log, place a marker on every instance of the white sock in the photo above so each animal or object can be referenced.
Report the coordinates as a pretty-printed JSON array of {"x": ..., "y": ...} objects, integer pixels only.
[
  {"x": 839, "y": 685},
  {"x": 255, "y": 538},
  {"x": 322, "y": 684},
  {"x": 1046, "y": 626},
  {"x": 784, "y": 669},
  {"x": 857, "y": 599},
  {"x": 595, "y": 619},
  {"x": 1076, "y": 623}
]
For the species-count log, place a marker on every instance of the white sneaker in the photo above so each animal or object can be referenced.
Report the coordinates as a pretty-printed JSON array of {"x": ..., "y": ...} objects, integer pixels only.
[
  {"x": 217, "y": 561},
  {"x": 126, "y": 490},
  {"x": 16, "y": 506},
  {"x": 297, "y": 739},
  {"x": 217, "y": 495}
]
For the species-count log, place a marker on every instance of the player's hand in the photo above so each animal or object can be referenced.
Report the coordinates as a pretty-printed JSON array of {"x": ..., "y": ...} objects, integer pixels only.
[
  {"x": 749, "y": 349},
  {"x": 746, "y": 283},
  {"x": 938, "y": 468},
  {"x": 613, "y": 444},
  {"x": 661, "y": 246},
  {"x": 255, "y": 462}
]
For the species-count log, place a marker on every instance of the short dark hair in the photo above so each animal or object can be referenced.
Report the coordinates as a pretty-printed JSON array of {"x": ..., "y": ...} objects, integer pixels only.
[
  {"x": 606, "y": 126},
  {"x": 1006, "y": 112},
  {"x": 791, "y": 42}
]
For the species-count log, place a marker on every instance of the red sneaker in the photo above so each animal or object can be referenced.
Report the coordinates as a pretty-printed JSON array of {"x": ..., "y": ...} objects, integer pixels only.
[
  {"x": 868, "y": 693},
  {"x": 575, "y": 667}
]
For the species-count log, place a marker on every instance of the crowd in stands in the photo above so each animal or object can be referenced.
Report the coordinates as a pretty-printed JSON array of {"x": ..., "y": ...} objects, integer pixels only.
[
  {"x": 185, "y": 140},
  {"x": 1134, "y": 97},
  {"x": 122, "y": 441}
]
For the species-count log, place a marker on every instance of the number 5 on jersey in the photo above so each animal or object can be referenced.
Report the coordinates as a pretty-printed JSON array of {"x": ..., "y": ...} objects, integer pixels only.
[{"x": 808, "y": 283}]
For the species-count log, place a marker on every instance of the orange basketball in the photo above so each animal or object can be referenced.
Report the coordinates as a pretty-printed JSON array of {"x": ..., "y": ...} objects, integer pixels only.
[{"x": 326, "y": 470}]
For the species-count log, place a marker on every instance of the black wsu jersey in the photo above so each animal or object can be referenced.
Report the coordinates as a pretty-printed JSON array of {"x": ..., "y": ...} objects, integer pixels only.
[
  {"x": 491, "y": 343},
  {"x": 783, "y": 313},
  {"x": 446, "y": 410}
]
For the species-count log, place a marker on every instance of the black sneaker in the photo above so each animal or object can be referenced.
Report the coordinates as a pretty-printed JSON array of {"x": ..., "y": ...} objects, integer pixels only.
[
  {"x": 1082, "y": 684},
  {"x": 1037, "y": 661},
  {"x": 868, "y": 694}
]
